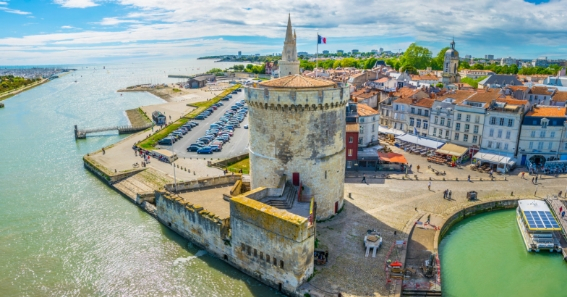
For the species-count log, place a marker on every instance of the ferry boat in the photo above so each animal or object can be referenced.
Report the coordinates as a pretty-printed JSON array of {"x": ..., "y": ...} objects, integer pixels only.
[{"x": 537, "y": 226}]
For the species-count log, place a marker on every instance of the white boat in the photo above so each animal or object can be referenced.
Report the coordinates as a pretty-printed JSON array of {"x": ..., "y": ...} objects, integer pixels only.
[{"x": 537, "y": 226}]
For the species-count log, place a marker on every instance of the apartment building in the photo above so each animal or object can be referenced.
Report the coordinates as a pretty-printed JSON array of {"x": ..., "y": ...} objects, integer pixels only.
[{"x": 502, "y": 125}]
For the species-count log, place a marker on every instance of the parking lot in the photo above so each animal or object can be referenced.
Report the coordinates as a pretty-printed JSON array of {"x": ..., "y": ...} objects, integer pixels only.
[{"x": 238, "y": 143}]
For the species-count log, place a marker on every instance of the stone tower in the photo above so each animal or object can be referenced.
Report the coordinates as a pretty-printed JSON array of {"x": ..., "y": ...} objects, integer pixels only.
[
  {"x": 289, "y": 65},
  {"x": 451, "y": 66}
]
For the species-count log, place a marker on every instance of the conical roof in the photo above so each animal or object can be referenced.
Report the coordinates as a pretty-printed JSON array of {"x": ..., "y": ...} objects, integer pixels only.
[
  {"x": 297, "y": 81},
  {"x": 289, "y": 32}
]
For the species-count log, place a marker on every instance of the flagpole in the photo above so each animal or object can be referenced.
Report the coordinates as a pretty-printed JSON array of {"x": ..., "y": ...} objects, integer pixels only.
[{"x": 317, "y": 55}]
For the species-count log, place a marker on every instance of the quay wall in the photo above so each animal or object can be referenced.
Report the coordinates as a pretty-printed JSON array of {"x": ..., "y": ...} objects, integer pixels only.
[
  {"x": 204, "y": 183},
  {"x": 105, "y": 174}
]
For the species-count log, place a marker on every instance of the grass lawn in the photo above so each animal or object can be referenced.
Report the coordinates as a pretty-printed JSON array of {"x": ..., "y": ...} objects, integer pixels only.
[
  {"x": 150, "y": 143},
  {"x": 243, "y": 164}
]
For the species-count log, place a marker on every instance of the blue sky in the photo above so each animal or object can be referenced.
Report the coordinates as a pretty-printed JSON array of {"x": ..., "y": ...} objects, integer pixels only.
[{"x": 86, "y": 31}]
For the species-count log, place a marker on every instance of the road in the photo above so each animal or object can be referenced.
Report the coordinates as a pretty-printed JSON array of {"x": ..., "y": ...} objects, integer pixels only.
[{"x": 237, "y": 145}]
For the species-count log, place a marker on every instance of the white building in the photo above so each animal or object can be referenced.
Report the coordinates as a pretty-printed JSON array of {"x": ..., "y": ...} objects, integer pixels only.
[
  {"x": 502, "y": 126},
  {"x": 542, "y": 131},
  {"x": 368, "y": 122},
  {"x": 418, "y": 117},
  {"x": 507, "y": 61},
  {"x": 475, "y": 74}
]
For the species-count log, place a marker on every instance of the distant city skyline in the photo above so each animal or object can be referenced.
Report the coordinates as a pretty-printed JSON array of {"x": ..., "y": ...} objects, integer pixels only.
[{"x": 92, "y": 31}]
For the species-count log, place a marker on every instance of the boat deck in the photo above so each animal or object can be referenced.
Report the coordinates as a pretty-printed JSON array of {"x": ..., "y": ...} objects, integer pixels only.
[{"x": 555, "y": 205}]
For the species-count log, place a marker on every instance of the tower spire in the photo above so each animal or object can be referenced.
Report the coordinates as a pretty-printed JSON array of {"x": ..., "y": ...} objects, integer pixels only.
[{"x": 289, "y": 32}]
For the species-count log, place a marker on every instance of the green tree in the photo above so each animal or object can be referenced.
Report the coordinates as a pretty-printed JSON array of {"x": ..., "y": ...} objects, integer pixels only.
[
  {"x": 369, "y": 63},
  {"x": 417, "y": 56},
  {"x": 437, "y": 62},
  {"x": 464, "y": 65}
]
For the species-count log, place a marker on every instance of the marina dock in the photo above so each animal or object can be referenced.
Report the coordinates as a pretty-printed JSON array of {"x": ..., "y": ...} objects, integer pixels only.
[
  {"x": 82, "y": 133},
  {"x": 556, "y": 204}
]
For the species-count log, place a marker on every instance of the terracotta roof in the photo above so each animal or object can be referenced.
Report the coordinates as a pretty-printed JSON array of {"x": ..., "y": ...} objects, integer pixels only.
[
  {"x": 518, "y": 88},
  {"x": 424, "y": 77},
  {"x": 559, "y": 96},
  {"x": 547, "y": 111},
  {"x": 512, "y": 101},
  {"x": 363, "y": 94},
  {"x": 540, "y": 91},
  {"x": 458, "y": 95},
  {"x": 383, "y": 79},
  {"x": 406, "y": 92},
  {"x": 297, "y": 81},
  {"x": 486, "y": 96},
  {"x": 424, "y": 102},
  {"x": 352, "y": 127},
  {"x": 365, "y": 110}
]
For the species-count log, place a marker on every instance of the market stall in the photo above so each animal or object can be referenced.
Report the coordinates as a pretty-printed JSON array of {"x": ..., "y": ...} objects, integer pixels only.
[
  {"x": 417, "y": 145},
  {"x": 450, "y": 154},
  {"x": 485, "y": 161},
  {"x": 388, "y": 134},
  {"x": 391, "y": 162}
]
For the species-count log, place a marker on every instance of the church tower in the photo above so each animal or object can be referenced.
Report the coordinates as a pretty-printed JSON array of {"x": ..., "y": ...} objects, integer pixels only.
[
  {"x": 289, "y": 65},
  {"x": 451, "y": 66}
]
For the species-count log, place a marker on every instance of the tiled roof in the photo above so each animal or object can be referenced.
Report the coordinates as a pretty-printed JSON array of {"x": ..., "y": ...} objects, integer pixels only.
[
  {"x": 297, "y": 81},
  {"x": 540, "y": 91},
  {"x": 365, "y": 110},
  {"x": 424, "y": 102},
  {"x": 486, "y": 96},
  {"x": 352, "y": 127},
  {"x": 363, "y": 94},
  {"x": 559, "y": 96},
  {"x": 458, "y": 95},
  {"x": 547, "y": 111},
  {"x": 382, "y": 80},
  {"x": 513, "y": 101},
  {"x": 518, "y": 88},
  {"x": 424, "y": 77}
]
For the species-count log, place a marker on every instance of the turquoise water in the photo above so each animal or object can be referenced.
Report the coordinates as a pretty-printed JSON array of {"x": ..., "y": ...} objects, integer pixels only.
[
  {"x": 485, "y": 256},
  {"x": 65, "y": 233}
]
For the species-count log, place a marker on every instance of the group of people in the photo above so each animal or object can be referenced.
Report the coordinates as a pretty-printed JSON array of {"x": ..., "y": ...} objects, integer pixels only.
[
  {"x": 145, "y": 155},
  {"x": 447, "y": 194}
]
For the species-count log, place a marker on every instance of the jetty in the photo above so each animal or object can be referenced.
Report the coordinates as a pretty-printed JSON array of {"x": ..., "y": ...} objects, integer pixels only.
[
  {"x": 82, "y": 133},
  {"x": 556, "y": 205}
]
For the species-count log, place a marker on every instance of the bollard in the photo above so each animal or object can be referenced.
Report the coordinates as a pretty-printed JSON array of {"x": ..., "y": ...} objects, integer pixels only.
[{"x": 349, "y": 195}]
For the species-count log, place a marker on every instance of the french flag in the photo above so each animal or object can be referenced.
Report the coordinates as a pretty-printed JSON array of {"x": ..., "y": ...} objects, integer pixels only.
[{"x": 321, "y": 39}]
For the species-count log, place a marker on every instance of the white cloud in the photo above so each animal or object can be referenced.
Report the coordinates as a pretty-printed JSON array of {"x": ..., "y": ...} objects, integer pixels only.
[
  {"x": 76, "y": 3},
  {"x": 14, "y": 11},
  {"x": 116, "y": 21},
  {"x": 3, "y": 3},
  {"x": 67, "y": 27},
  {"x": 480, "y": 25}
]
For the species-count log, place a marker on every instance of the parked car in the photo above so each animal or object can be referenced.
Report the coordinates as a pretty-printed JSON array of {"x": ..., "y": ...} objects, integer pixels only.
[
  {"x": 205, "y": 150},
  {"x": 245, "y": 126},
  {"x": 194, "y": 147},
  {"x": 166, "y": 141},
  {"x": 216, "y": 147},
  {"x": 225, "y": 99},
  {"x": 200, "y": 117}
]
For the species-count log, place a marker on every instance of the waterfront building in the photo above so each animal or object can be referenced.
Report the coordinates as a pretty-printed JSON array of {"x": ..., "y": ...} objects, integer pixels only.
[
  {"x": 351, "y": 144},
  {"x": 542, "y": 132},
  {"x": 443, "y": 113},
  {"x": 368, "y": 122},
  {"x": 418, "y": 117},
  {"x": 451, "y": 66},
  {"x": 469, "y": 120},
  {"x": 502, "y": 126}
]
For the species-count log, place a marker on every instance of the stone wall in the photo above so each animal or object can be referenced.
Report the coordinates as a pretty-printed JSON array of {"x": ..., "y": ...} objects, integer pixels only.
[
  {"x": 203, "y": 183},
  {"x": 105, "y": 174},
  {"x": 194, "y": 223},
  {"x": 273, "y": 245},
  {"x": 305, "y": 133},
  {"x": 225, "y": 162}
]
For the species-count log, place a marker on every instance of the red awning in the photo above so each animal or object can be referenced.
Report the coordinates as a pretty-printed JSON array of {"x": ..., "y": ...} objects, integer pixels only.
[{"x": 392, "y": 158}]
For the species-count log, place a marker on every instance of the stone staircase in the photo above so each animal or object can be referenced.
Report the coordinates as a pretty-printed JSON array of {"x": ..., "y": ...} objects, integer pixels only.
[
  {"x": 133, "y": 185},
  {"x": 286, "y": 200}
]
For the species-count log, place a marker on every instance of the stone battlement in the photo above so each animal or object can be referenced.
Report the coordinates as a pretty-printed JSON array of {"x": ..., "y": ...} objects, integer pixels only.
[{"x": 297, "y": 99}]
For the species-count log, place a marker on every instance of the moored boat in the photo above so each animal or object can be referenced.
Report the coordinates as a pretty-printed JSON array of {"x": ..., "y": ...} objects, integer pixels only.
[{"x": 537, "y": 226}]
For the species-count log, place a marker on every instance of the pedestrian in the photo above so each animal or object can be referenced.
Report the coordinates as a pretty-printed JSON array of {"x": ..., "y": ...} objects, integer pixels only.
[
  {"x": 429, "y": 186},
  {"x": 416, "y": 209},
  {"x": 562, "y": 214},
  {"x": 410, "y": 165},
  {"x": 560, "y": 208},
  {"x": 449, "y": 195},
  {"x": 417, "y": 168},
  {"x": 363, "y": 178},
  {"x": 444, "y": 194},
  {"x": 428, "y": 218},
  {"x": 523, "y": 175},
  {"x": 536, "y": 179},
  {"x": 103, "y": 152},
  {"x": 560, "y": 192},
  {"x": 533, "y": 178},
  {"x": 469, "y": 178}
]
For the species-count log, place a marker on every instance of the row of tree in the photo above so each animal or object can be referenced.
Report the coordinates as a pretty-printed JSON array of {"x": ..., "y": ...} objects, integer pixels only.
[{"x": 10, "y": 82}]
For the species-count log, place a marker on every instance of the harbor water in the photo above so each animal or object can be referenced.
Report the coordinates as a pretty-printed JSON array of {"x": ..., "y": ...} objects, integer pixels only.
[
  {"x": 485, "y": 256},
  {"x": 63, "y": 232}
]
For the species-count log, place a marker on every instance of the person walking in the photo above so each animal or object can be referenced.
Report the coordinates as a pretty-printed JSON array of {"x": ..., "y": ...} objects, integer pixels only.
[
  {"x": 449, "y": 195},
  {"x": 363, "y": 178},
  {"x": 536, "y": 179},
  {"x": 469, "y": 178},
  {"x": 428, "y": 218},
  {"x": 410, "y": 165},
  {"x": 523, "y": 175},
  {"x": 429, "y": 186},
  {"x": 533, "y": 178},
  {"x": 562, "y": 214},
  {"x": 417, "y": 168},
  {"x": 445, "y": 194},
  {"x": 561, "y": 209},
  {"x": 103, "y": 151}
]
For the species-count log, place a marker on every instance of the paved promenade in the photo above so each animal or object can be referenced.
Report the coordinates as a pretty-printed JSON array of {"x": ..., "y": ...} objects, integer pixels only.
[{"x": 389, "y": 205}]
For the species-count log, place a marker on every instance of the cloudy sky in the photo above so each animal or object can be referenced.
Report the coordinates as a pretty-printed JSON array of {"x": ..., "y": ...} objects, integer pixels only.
[{"x": 86, "y": 31}]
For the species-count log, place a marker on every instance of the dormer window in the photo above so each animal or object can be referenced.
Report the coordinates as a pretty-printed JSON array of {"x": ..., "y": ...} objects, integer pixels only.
[{"x": 544, "y": 123}]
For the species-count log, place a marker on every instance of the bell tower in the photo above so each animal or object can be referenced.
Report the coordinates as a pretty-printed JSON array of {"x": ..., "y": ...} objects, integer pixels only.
[{"x": 289, "y": 65}]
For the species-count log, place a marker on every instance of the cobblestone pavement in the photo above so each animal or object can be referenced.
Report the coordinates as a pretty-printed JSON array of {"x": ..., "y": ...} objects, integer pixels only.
[{"x": 388, "y": 205}]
